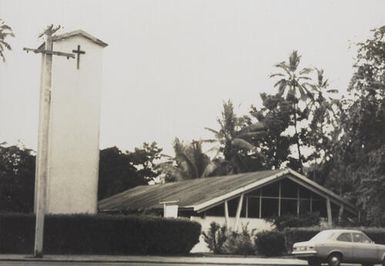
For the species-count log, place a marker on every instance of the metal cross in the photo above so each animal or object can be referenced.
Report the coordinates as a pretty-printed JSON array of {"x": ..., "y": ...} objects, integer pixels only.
[{"x": 79, "y": 52}]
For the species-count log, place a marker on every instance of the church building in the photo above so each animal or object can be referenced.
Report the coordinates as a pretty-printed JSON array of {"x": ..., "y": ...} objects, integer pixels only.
[{"x": 234, "y": 200}]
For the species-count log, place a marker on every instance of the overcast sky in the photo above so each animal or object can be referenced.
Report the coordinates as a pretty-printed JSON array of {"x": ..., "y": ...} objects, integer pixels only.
[{"x": 170, "y": 64}]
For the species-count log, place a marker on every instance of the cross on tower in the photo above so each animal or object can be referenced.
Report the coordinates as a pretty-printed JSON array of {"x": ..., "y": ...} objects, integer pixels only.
[{"x": 78, "y": 52}]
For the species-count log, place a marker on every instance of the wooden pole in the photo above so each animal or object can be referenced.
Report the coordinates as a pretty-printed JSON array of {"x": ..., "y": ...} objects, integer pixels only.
[
  {"x": 42, "y": 163},
  {"x": 279, "y": 198},
  {"x": 311, "y": 203},
  {"x": 227, "y": 215},
  {"x": 247, "y": 207},
  {"x": 298, "y": 201},
  {"x": 329, "y": 212},
  {"x": 260, "y": 204},
  {"x": 340, "y": 213},
  {"x": 239, "y": 209}
]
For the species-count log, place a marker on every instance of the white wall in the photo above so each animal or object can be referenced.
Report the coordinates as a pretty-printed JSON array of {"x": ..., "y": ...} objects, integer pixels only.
[
  {"x": 74, "y": 129},
  {"x": 252, "y": 223}
]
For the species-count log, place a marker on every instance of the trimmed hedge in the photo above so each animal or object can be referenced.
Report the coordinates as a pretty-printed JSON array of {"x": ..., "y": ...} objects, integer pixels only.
[
  {"x": 293, "y": 235},
  {"x": 99, "y": 234},
  {"x": 270, "y": 243},
  {"x": 299, "y": 234},
  {"x": 304, "y": 220}
]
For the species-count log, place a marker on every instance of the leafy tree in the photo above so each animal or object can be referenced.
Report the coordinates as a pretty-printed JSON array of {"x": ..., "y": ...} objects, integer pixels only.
[
  {"x": 119, "y": 171},
  {"x": 145, "y": 160},
  {"x": 5, "y": 32},
  {"x": 324, "y": 113},
  {"x": 358, "y": 170},
  {"x": 190, "y": 162},
  {"x": 116, "y": 173},
  {"x": 293, "y": 85},
  {"x": 275, "y": 144},
  {"x": 17, "y": 178},
  {"x": 236, "y": 136}
]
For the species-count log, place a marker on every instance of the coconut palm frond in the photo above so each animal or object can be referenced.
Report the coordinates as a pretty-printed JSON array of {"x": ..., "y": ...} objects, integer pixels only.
[
  {"x": 305, "y": 71},
  {"x": 243, "y": 144}
]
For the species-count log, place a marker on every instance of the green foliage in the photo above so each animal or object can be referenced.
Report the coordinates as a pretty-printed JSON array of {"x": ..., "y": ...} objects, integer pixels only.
[
  {"x": 239, "y": 243},
  {"x": 144, "y": 159},
  {"x": 190, "y": 162},
  {"x": 215, "y": 237},
  {"x": 293, "y": 85},
  {"x": 293, "y": 235},
  {"x": 357, "y": 167},
  {"x": 270, "y": 243},
  {"x": 222, "y": 240},
  {"x": 285, "y": 221},
  {"x": 17, "y": 179},
  {"x": 119, "y": 171},
  {"x": 275, "y": 115},
  {"x": 5, "y": 32},
  {"x": 235, "y": 137},
  {"x": 100, "y": 234}
]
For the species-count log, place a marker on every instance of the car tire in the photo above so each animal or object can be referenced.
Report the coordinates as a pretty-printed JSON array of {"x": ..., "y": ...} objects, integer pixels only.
[
  {"x": 334, "y": 259},
  {"x": 383, "y": 262},
  {"x": 313, "y": 262}
]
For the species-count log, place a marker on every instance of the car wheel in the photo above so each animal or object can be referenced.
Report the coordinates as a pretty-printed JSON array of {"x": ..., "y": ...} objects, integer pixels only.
[
  {"x": 313, "y": 262},
  {"x": 383, "y": 262},
  {"x": 334, "y": 259}
]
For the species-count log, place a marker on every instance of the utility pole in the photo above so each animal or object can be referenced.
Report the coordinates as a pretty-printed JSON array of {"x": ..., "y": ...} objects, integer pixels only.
[{"x": 41, "y": 173}]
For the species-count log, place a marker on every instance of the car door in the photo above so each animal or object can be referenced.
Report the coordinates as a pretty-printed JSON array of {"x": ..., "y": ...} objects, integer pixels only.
[
  {"x": 364, "y": 250},
  {"x": 344, "y": 244}
]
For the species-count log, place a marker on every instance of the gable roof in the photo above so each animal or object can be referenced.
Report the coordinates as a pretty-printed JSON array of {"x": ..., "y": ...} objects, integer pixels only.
[
  {"x": 76, "y": 33},
  {"x": 81, "y": 33},
  {"x": 201, "y": 194}
]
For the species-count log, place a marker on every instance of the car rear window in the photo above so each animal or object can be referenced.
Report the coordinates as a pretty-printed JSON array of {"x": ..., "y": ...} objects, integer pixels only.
[{"x": 345, "y": 237}]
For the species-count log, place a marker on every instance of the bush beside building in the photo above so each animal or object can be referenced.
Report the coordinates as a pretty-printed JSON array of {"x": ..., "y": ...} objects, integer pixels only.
[{"x": 99, "y": 234}]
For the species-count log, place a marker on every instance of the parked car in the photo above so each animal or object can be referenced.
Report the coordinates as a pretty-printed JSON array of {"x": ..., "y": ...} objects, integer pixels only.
[{"x": 336, "y": 246}]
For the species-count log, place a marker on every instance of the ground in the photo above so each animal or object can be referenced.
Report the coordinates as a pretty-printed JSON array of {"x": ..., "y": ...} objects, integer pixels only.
[{"x": 60, "y": 260}]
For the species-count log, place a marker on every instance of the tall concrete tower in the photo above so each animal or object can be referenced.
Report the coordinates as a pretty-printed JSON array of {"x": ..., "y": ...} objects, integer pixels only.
[{"x": 73, "y": 146}]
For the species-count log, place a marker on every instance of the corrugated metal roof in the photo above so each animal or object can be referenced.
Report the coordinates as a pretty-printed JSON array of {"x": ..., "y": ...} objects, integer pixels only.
[
  {"x": 187, "y": 193},
  {"x": 199, "y": 194}
]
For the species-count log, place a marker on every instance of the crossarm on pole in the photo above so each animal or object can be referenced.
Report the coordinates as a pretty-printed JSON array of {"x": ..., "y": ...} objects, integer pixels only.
[{"x": 43, "y": 51}]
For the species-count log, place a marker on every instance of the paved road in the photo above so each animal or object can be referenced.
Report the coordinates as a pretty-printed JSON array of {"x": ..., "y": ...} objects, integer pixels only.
[{"x": 38, "y": 263}]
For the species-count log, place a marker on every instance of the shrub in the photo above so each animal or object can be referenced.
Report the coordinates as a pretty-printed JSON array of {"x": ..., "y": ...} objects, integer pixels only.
[
  {"x": 239, "y": 243},
  {"x": 99, "y": 234},
  {"x": 284, "y": 221},
  {"x": 215, "y": 237},
  {"x": 377, "y": 234},
  {"x": 222, "y": 240},
  {"x": 270, "y": 243},
  {"x": 293, "y": 235}
]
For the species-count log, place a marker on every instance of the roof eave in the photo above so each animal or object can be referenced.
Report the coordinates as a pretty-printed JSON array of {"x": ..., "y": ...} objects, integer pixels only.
[
  {"x": 208, "y": 204},
  {"x": 324, "y": 190},
  {"x": 320, "y": 190},
  {"x": 82, "y": 33}
]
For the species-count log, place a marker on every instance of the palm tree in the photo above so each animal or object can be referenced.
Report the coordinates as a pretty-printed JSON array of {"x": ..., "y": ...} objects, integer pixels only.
[
  {"x": 293, "y": 85},
  {"x": 190, "y": 162},
  {"x": 5, "y": 31},
  {"x": 235, "y": 137}
]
